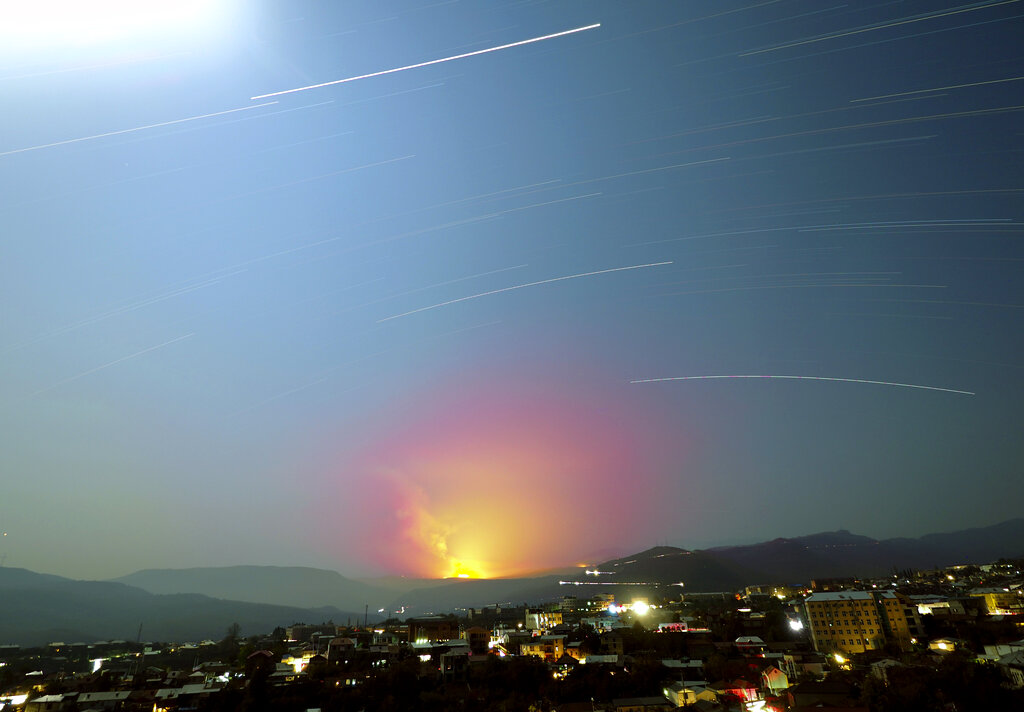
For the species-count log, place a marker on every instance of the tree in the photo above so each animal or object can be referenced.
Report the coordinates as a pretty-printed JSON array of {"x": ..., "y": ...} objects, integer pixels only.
[{"x": 230, "y": 645}]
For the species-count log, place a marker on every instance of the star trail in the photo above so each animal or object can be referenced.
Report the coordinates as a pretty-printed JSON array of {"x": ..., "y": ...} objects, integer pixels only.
[{"x": 395, "y": 278}]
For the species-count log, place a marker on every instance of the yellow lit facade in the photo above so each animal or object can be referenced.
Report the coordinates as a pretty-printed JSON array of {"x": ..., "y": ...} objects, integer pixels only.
[
  {"x": 548, "y": 647},
  {"x": 858, "y": 621},
  {"x": 999, "y": 601},
  {"x": 537, "y": 619}
]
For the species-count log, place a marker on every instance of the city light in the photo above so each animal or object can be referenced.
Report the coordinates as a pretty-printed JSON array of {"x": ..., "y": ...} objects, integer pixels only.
[
  {"x": 640, "y": 608},
  {"x": 796, "y": 625}
]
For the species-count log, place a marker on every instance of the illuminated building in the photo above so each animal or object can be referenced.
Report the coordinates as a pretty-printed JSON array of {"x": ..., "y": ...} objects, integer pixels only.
[
  {"x": 858, "y": 621},
  {"x": 738, "y": 689},
  {"x": 1000, "y": 601},
  {"x": 689, "y": 692},
  {"x": 575, "y": 651},
  {"x": 537, "y": 619},
  {"x": 774, "y": 680},
  {"x": 947, "y": 645},
  {"x": 432, "y": 628},
  {"x": 780, "y": 592},
  {"x": 548, "y": 647}
]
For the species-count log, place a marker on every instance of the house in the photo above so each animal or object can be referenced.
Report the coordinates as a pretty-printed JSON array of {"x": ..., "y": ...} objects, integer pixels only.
[
  {"x": 479, "y": 639},
  {"x": 103, "y": 700},
  {"x": 773, "y": 680},
  {"x": 283, "y": 674},
  {"x": 797, "y": 664},
  {"x": 575, "y": 650},
  {"x": 612, "y": 644},
  {"x": 640, "y": 704},
  {"x": 429, "y": 628},
  {"x": 691, "y": 669},
  {"x": 49, "y": 703},
  {"x": 994, "y": 652},
  {"x": 738, "y": 689},
  {"x": 689, "y": 692},
  {"x": 1000, "y": 600},
  {"x": 750, "y": 645},
  {"x": 825, "y": 693},
  {"x": 455, "y": 659},
  {"x": 1012, "y": 666},
  {"x": 548, "y": 647},
  {"x": 947, "y": 645},
  {"x": 880, "y": 670}
]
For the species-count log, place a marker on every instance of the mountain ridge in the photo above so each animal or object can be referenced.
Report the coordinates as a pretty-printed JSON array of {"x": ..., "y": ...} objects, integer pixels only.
[
  {"x": 35, "y": 606},
  {"x": 312, "y": 594}
]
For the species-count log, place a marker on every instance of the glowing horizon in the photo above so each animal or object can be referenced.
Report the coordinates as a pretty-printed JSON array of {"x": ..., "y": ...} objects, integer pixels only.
[{"x": 475, "y": 485}]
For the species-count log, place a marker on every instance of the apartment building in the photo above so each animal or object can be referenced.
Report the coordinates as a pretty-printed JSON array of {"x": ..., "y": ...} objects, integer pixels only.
[{"x": 858, "y": 621}]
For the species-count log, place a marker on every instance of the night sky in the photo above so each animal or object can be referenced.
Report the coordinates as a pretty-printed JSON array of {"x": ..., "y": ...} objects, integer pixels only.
[{"x": 397, "y": 325}]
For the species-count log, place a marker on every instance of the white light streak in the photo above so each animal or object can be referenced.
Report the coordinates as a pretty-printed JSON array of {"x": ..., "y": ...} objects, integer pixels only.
[
  {"x": 881, "y": 26},
  {"x": 132, "y": 130},
  {"x": 112, "y": 363},
  {"x": 807, "y": 378},
  {"x": 951, "y": 86},
  {"x": 432, "y": 61},
  {"x": 522, "y": 286},
  {"x": 130, "y": 307}
]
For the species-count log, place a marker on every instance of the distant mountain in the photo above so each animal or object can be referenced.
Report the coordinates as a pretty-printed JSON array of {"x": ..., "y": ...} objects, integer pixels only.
[
  {"x": 186, "y": 604},
  {"x": 401, "y": 584},
  {"x": 669, "y": 565},
  {"x": 800, "y": 559},
  {"x": 477, "y": 593},
  {"x": 281, "y": 585},
  {"x": 37, "y": 609}
]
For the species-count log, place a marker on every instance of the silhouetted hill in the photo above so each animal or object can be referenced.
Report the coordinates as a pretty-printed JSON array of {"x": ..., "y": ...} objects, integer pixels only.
[
  {"x": 669, "y": 565},
  {"x": 299, "y": 586},
  {"x": 183, "y": 604},
  {"x": 826, "y": 554},
  {"x": 477, "y": 593},
  {"x": 38, "y": 608}
]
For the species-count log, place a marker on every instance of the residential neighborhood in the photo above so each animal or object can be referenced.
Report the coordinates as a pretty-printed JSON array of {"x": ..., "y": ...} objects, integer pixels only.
[{"x": 950, "y": 638}]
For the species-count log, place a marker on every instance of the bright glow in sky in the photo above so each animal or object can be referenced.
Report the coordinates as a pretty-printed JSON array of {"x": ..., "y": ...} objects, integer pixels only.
[
  {"x": 88, "y": 22},
  {"x": 493, "y": 479},
  {"x": 390, "y": 325}
]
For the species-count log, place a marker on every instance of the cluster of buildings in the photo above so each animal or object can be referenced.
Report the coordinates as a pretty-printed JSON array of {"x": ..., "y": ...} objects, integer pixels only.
[{"x": 771, "y": 647}]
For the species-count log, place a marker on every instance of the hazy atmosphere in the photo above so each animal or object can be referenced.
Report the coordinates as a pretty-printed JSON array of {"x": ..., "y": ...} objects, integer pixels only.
[{"x": 431, "y": 318}]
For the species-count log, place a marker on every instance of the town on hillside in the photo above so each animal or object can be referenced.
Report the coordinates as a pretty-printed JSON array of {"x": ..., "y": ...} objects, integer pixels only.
[{"x": 947, "y": 639}]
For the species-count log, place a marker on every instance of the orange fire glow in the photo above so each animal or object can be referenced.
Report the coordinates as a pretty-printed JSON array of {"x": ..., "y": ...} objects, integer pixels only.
[{"x": 490, "y": 485}]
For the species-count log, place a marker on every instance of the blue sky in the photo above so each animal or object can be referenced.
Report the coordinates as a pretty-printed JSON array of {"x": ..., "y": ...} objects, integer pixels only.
[{"x": 396, "y": 309}]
